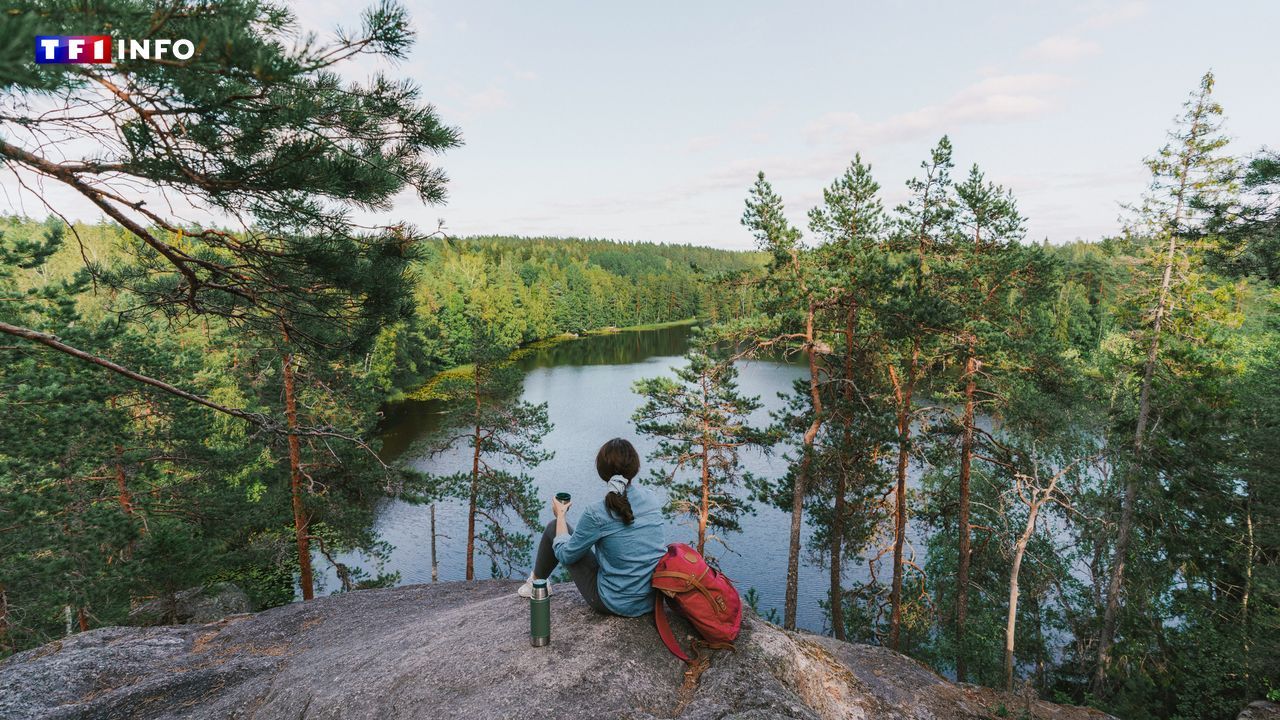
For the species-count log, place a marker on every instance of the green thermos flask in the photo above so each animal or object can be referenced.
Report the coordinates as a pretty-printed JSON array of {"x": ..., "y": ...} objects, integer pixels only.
[{"x": 540, "y": 614}]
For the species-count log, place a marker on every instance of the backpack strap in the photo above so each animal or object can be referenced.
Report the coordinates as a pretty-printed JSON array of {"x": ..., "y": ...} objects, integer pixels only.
[
  {"x": 664, "y": 627},
  {"x": 716, "y": 603}
]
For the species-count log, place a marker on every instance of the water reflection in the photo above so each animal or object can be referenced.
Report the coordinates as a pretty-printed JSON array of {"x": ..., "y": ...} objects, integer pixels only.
[
  {"x": 586, "y": 384},
  {"x": 412, "y": 420}
]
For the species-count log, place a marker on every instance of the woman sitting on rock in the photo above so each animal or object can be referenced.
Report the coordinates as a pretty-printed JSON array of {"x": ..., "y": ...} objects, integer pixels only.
[{"x": 625, "y": 529}]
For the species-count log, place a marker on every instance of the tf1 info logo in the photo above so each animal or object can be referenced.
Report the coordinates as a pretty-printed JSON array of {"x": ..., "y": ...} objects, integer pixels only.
[{"x": 94, "y": 49}]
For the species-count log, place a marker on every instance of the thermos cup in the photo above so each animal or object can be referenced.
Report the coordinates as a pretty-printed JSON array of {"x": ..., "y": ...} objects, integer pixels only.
[
  {"x": 540, "y": 614},
  {"x": 563, "y": 497}
]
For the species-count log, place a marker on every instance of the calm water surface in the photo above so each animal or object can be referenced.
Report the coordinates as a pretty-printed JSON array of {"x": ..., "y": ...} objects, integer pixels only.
[{"x": 586, "y": 384}]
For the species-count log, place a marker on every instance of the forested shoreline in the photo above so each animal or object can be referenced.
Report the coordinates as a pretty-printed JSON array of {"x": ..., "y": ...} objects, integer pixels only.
[
  {"x": 187, "y": 404},
  {"x": 529, "y": 289},
  {"x": 193, "y": 490}
]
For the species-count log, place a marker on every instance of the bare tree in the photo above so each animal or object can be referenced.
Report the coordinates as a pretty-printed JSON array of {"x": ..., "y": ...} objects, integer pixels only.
[{"x": 1033, "y": 492}]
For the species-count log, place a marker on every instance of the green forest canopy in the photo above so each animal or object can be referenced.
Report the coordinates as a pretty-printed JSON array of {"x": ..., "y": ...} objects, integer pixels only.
[
  {"x": 191, "y": 497},
  {"x": 1134, "y": 379}
]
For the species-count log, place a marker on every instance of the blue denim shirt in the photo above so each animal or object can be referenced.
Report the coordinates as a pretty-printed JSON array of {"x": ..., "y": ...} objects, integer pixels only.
[{"x": 627, "y": 553}]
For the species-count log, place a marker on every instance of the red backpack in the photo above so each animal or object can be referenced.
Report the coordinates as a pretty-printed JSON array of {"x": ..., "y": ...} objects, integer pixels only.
[{"x": 701, "y": 594}]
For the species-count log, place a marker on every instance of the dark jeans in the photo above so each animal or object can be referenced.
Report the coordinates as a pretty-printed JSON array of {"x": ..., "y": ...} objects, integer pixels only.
[{"x": 583, "y": 572}]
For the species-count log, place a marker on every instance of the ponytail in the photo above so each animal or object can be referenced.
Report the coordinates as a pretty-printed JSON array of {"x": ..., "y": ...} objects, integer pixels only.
[
  {"x": 618, "y": 504},
  {"x": 617, "y": 464}
]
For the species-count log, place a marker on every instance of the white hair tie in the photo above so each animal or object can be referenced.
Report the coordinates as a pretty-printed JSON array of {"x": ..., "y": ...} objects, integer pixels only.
[{"x": 619, "y": 484}]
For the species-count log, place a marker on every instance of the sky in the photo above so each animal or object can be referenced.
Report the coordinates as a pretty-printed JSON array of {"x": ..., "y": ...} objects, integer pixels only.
[{"x": 649, "y": 121}]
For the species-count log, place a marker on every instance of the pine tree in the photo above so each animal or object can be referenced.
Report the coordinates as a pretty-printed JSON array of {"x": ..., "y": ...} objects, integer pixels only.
[
  {"x": 298, "y": 274},
  {"x": 1243, "y": 241},
  {"x": 504, "y": 434},
  {"x": 701, "y": 422},
  {"x": 210, "y": 130},
  {"x": 134, "y": 495},
  {"x": 851, "y": 224},
  {"x": 999, "y": 289},
  {"x": 924, "y": 223},
  {"x": 55, "y": 517},
  {"x": 1188, "y": 175},
  {"x": 1246, "y": 230},
  {"x": 790, "y": 317}
]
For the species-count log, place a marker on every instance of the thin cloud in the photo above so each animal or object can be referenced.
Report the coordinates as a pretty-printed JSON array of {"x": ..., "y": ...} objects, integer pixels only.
[
  {"x": 1074, "y": 44},
  {"x": 1063, "y": 48},
  {"x": 488, "y": 100},
  {"x": 1000, "y": 99},
  {"x": 1004, "y": 98},
  {"x": 702, "y": 143},
  {"x": 1131, "y": 175},
  {"x": 1111, "y": 14}
]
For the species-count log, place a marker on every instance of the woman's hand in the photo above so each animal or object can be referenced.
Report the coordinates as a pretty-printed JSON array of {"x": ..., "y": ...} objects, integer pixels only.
[{"x": 559, "y": 508}]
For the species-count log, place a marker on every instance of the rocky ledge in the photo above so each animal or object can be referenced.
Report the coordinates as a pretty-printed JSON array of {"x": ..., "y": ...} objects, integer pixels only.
[{"x": 461, "y": 650}]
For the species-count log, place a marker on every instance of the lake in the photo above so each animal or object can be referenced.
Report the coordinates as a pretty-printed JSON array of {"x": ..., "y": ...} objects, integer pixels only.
[{"x": 586, "y": 384}]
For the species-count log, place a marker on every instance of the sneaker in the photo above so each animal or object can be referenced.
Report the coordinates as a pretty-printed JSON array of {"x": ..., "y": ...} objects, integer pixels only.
[{"x": 526, "y": 590}]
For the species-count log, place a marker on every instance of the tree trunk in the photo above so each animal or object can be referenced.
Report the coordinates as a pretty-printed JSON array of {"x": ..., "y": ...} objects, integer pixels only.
[
  {"x": 802, "y": 480},
  {"x": 1246, "y": 620},
  {"x": 837, "y": 548},
  {"x": 122, "y": 485},
  {"x": 1034, "y": 498},
  {"x": 1041, "y": 662},
  {"x": 4, "y": 618},
  {"x": 474, "y": 495},
  {"x": 471, "y": 508},
  {"x": 899, "y": 530},
  {"x": 435, "y": 564},
  {"x": 963, "y": 558},
  {"x": 1125, "y": 529},
  {"x": 300, "y": 520},
  {"x": 904, "y": 394},
  {"x": 839, "y": 508},
  {"x": 1010, "y": 624},
  {"x": 793, "y": 549},
  {"x": 705, "y": 510}
]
